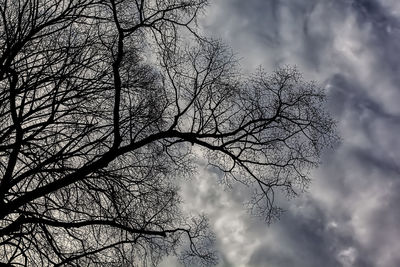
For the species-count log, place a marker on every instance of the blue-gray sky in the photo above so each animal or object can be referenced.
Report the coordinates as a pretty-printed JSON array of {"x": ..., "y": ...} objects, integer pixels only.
[{"x": 350, "y": 215}]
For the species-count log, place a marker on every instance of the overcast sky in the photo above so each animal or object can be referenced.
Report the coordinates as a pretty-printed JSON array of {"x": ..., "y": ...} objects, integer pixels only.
[{"x": 350, "y": 215}]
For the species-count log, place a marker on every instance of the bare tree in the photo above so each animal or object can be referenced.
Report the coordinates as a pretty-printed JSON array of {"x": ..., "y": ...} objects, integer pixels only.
[{"x": 102, "y": 103}]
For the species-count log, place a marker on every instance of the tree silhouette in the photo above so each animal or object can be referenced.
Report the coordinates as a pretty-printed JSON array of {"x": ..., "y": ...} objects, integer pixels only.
[{"x": 104, "y": 104}]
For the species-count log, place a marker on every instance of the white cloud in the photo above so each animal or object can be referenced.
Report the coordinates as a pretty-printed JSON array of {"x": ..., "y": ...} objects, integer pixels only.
[{"x": 347, "y": 257}]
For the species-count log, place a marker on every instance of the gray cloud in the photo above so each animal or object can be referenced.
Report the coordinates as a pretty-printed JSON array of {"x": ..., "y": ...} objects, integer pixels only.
[
  {"x": 350, "y": 214},
  {"x": 349, "y": 217}
]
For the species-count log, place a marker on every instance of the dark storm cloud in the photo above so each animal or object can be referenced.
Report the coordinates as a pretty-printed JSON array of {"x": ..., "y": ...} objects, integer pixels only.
[{"x": 350, "y": 215}]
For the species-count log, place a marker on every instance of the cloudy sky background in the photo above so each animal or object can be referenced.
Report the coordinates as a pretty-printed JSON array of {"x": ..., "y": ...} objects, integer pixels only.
[{"x": 350, "y": 215}]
